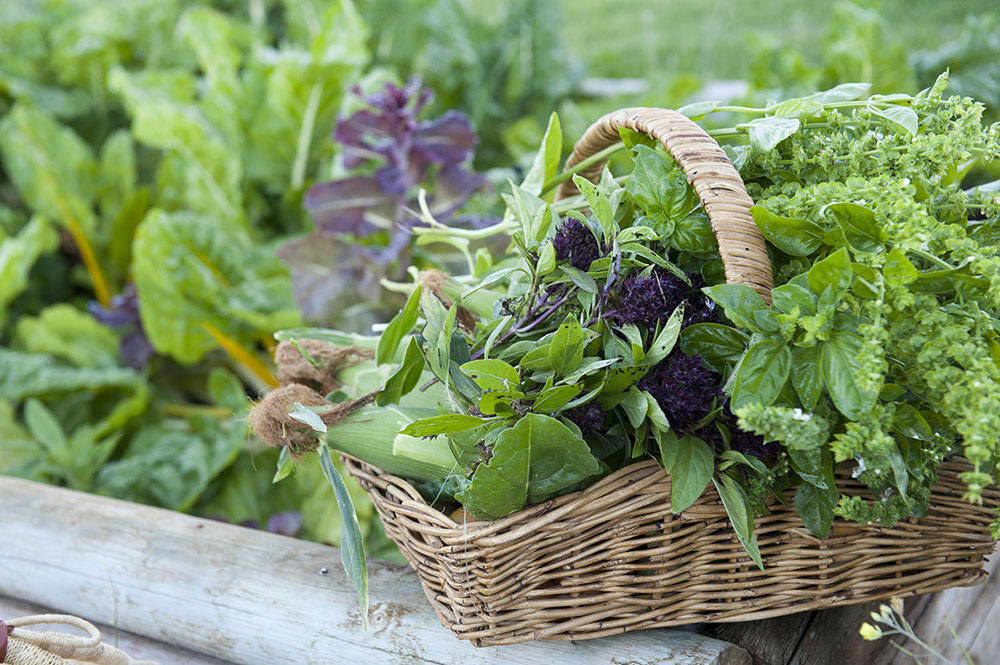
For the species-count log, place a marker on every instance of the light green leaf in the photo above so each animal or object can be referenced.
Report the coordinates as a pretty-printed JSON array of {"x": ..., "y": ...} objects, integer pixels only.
[
  {"x": 216, "y": 278},
  {"x": 537, "y": 458},
  {"x": 690, "y": 472},
  {"x": 352, "y": 541},
  {"x": 834, "y": 272},
  {"x": 492, "y": 374},
  {"x": 902, "y": 118},
  {"x": 762, "y": 374},
  {"x": 740, "y": 303},
  {"x": 665, "y": 341},
  {"x": 797, "y": 237},
  {"x": 64, "y": 331},
  {"x": 402, "y": 324},
  {"x": 858, "y": 223},
  {"x": 307, "y": 417},
  {"x": 766, "y": 133},
  {"x": 566, "y": 348},
  {"x": 17, "y": 256},
  {"x": 737, "y": 506},
  {"x": 443, "y": 424},
  {"x": 546, "y": 163},
  {"x": 659, "y": 186},
  {"x": 600, "y": 205},
  {"x": 840, "y": 364}
]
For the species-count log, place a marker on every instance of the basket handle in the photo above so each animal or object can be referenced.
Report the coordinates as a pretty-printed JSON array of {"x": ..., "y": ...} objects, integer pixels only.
[{"x": 710, "y": 172}]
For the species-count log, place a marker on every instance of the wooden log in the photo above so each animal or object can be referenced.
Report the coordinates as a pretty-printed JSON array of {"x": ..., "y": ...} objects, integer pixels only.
[
  {"x": 250, "y": 597},
  {"x": 135, "y": 646}
]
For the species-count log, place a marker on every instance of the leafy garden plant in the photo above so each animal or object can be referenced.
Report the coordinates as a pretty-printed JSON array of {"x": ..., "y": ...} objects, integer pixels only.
[{"x": 607, "y": 334}]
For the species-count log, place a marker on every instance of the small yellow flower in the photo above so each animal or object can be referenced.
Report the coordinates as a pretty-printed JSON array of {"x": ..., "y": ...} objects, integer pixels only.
[
  {"x": 870, "y": 632},
  {"x": 897, "y": 604}
]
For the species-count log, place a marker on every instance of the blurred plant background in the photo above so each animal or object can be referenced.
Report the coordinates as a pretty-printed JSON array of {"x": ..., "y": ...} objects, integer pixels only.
[{"x": 156, "y": 154}]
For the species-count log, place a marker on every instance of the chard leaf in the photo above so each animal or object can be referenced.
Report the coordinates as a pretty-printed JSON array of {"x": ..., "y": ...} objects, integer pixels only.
[
  {"x": 217, "y": 281},
  {"x": 17, "y": 256}
]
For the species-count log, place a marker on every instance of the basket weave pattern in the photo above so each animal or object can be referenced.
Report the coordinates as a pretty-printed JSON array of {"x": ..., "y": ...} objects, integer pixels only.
[{"x": 613, "y": 558}]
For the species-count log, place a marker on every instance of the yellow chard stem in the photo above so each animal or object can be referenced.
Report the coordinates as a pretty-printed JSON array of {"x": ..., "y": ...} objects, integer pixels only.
[{"x": 241, "y": 355}]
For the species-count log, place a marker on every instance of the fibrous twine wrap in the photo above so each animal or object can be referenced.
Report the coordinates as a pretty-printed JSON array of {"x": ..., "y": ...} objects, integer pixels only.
[
  {"x": 613, "y": 557},
  {"x": 20, "y": 646}
]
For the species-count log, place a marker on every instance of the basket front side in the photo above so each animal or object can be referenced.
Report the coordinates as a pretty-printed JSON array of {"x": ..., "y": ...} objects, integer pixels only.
[{"x": 613, "y": 558}]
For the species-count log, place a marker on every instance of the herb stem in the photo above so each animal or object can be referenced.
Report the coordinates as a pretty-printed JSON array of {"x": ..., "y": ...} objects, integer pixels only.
[
  {"x": 305, "y": 136},
  {"x": 596, "y": 158},
  {"x": 241, "y": 355}
]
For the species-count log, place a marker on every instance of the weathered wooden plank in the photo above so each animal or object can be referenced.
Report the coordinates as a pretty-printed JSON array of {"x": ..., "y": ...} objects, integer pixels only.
[
  {"x": 250, "y": 597},
  {"x": 139, "y": 648},
  {"x": 769, "y": 641}
]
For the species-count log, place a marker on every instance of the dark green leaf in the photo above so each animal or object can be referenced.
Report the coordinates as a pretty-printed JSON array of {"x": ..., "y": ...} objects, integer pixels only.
[
  {"x": 718, "y": 345},
  {"x": 566, "y": 348},
  {"x": 401, "y": 325},
  {"x": 659, "y": 186},
  {"x": 690, "y": 472},
  {"x": 839, "y": 363},
  {"x": 739, "y": 302},
  {"x": 815, "y": 507},
  {"x": 797, "y": 237},
  {"x": 807, "y": 379},
  {"x": 405, "y": 377},
  {"x": 834, "y": 271},
  {"x": 737, "y": 506}
]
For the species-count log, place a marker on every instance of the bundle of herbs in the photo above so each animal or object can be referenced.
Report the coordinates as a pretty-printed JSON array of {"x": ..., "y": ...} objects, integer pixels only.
[{"x": 607, "y": 334}]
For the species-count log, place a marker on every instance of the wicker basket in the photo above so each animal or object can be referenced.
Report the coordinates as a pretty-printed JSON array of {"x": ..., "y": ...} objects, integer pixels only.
[{"x": 614, "y": 558}]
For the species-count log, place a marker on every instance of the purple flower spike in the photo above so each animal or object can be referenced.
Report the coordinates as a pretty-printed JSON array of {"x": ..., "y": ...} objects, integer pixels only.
[
  {"x": 683, "y": 387},
  {"x": 588, "y": 417},
  {"x": 646, "y": 301},
  {"x": 575, "y": 243}
]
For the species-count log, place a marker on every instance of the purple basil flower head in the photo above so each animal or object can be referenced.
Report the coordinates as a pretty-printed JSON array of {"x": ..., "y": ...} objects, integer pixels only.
[
  {"x": 646, "y": 301},
  {"x": 588, "y": 417},
  {"x": 123, "y": 314},
  {"x": 749, "y": 443},
  {"x": 684, "y": 388},
  {"x": 575, "y": 243}
]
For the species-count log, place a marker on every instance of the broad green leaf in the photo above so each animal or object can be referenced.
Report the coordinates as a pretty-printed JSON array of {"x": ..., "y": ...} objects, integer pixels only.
[
  {"x": 352, "y": 541},
  {"x": 566, "y": 348},
  {"x": 815, "y": 506},
  {"x": 659, "y": 186},
  {"x": 840, "y": 364},
  {"x": 533, "y": 460},
  {"x": 698, "y": 110},
  {"x": 492, "y": 374},
  {"x": 845, "y": 92},
  {"x": 443, "y": 424},
  {"x": 801, "y": 107},
  {"x": 201, "y": 171},
  {"x": 762, "y": 374},
  {"x": 64, "y": 331},
  {"x": 667, "y": 339},
  {"x": 797, "y": 237},
  {"x": 766, "y": 133},
  {"x": 898, "y": 269},
  {"x": 690, "y": 472},
  {"x": 555, "y": 398},
  {"x": 902, "y": 118},
  {"x": 718, "y": 345},
  {"x": 44, "y": 427},
  {"x": 859, "y": 226},
  {"x": 216, "y": 280},
  {"x": 807, "y": 379},
  {"x": 546, "y": 259},
  {"x": 405, "y": 377},
  {"x": 600, "y": 205},
  {"x": 737, "y": 506},
  {"x": 787, "y": 297},
  {"x": 739, "y": 302},
  {"x": 18, "y": 255},
  {"x": 580, "y": 278},
  {"x": 546, "y": 163},
  {"x": 693, "y": 234},
  {"x": 402, "y": 324},
  {"x": 116, "y": 174},
  {"x": 834, "y": 272}
]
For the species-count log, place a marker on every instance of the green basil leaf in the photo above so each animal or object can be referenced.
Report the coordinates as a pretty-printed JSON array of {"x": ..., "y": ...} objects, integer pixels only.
[
  {"x": 898, "y": 269},
  {"x": 691, "y": 471},
  {"x": 807, "y": 379},
  {"x": 566, "y": 348},
  {"x": 839, "y": 364},
  {"x": 737, "y": 506},
  {"x": 834, "y": 271},
  {"x": 766, "y": 133},
  {"x": 762, "y": 374},
  {"x": 718, "y": 345},
  {"x": 545, "y": 166},
  {"x": 902, "y": 118},
  {"x": 553, "y": 399},
  {"x": 659, "y": 186},
  {"x": 858, "y": 224},
  {"x": 492, "y": 374},
  {"x": 815, "y": 507},
  {"x": 796, "y": 237},
  {"x": 693, "y": 234},
  {"x": 400, "y": 325},
  {"x": 443, "y": 424},
  {"x": 787, "y": 297},
  {"x": 599, "y": 204},
  {"x": 665, "y": 341},
  {"x": 739, "y": 302},
  {"x": 580, "y": 278}
]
